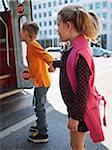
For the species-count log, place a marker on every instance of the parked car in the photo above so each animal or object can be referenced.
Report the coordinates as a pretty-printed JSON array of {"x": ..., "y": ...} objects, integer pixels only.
[
  {"x": 98, "y": 51},
  {"x": 54, "y": 51}
]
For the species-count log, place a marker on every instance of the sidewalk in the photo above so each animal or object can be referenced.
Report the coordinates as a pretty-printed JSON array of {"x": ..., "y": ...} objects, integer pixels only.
[
  {"x": 16, "y": 135},
  {"x": 58, "y": 136}
]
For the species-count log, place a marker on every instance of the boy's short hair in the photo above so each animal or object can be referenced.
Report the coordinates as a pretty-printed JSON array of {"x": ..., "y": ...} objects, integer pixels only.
[{"x": 31, "y": 27}]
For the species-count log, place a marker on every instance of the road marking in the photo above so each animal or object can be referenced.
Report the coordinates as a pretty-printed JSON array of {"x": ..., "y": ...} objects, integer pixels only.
[{"x": 21, "y": 124}]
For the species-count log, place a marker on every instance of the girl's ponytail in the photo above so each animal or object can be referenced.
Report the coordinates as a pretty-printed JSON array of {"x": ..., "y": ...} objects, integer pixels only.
[{"x": 84, "y": 22}]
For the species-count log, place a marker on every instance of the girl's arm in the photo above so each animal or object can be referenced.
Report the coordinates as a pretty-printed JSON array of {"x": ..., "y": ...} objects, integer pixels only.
[{"x": 57, "y": 63}]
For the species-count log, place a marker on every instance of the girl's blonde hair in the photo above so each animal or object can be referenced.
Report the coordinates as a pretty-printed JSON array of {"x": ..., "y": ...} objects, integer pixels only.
[
  {"x": 84, "y": 22},
  {"x": 32, "y": 28}
]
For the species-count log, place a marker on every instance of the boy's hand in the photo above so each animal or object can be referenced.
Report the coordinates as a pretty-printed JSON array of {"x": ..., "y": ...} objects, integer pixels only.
[{"x": 73, "y": 125}]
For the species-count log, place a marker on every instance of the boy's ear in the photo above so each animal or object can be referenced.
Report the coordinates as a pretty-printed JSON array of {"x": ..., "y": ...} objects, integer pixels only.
[{"x": 26, "y": 32}]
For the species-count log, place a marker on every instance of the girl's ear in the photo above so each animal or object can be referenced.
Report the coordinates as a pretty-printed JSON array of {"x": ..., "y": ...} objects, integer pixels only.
[{"x": 69, "y": 25}]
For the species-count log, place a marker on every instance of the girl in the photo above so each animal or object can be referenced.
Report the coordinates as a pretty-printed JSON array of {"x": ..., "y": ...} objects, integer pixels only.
[{"x": 78, "y": 26}]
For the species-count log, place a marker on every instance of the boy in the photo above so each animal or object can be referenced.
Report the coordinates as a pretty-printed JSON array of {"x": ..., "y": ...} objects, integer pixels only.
[{"x": 38, "y": 61}]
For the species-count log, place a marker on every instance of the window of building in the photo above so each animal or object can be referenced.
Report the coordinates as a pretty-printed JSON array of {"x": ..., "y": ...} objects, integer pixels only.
[
  {"x": 111, "y": 27},
  {"x": 90, "y": 6},
  {"x": 40, "y": 24},
  {"x": 45, "y": 32},
  {"x": 45, "y": 14},
  {"x": 55, "y": 31},
  {"x": 97, "y": 5},
  {"x": 45, "y": 23},
  {"x": 50, "y": 32},
  {"x": 55, "y": 22},
  {"x": 40, "y": 32},
  {"x": 40, "y": 15},
  {"x": 60, "y": 2},
  {"x": 104, "y": 4},
  {"x": 111, "y": 16},
  {"x": 66, "y": 1},
  {"x": 98, "y": 14},
  {"x": 35, "y": 7},
  {"x": 50, "y": 23},
  {"x": 35, "y": 16},
  {"x": 104, "y": 26},
  {"x": 104, "y": 15},
  {"x": 54, "y": 3},
  {"x": 39, "y": 6},
  {"x": 49, "y": 4},
  {"x": 50, "y": 13},
  {"x": 44, "y": 5}
]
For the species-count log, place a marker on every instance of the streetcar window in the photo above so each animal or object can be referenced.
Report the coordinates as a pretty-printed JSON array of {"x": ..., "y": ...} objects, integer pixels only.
[
  {"x": 22, "y": 20},
  {"x": 4, "y": 5},
  {"x": 20, "y": 1},
  {"x": 4, "y": 44},
  {"x": 2, "y": 36}
]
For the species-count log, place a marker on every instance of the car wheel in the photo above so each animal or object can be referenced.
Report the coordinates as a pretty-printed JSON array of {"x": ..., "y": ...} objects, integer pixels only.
[{"x": 105, "y": 55}]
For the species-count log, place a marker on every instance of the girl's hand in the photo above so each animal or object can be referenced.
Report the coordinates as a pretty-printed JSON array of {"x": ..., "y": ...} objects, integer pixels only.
[
  {"x": 51, "y": 68},
  {"x": 73, "y": 125}
]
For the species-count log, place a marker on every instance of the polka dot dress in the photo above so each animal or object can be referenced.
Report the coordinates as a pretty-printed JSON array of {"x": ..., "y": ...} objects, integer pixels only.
[{"x": 75, "y": 102}]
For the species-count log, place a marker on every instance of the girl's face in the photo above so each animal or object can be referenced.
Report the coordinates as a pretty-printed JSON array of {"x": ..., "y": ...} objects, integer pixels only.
[
  {"x": 67, "y": 31},
  {"x": 63, "y": 30}
]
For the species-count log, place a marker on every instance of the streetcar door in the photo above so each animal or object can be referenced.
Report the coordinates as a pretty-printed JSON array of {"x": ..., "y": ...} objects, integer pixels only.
[
  {"x": 21, "y": 12},
  {"x": 7, "y": 59}
]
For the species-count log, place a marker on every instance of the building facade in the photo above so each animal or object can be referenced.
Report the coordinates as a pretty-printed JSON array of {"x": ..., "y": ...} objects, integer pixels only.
[{"x": 45, "y": 14}]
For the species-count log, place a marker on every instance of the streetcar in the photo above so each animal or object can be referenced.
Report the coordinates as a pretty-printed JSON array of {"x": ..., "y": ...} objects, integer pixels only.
[{"x": 14, "y": 72}]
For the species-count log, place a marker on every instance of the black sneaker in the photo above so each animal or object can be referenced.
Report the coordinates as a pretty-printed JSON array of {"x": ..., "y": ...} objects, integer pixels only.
[
  {"x": 35, "y": 129},
  {"x": 37, "y": 137}
]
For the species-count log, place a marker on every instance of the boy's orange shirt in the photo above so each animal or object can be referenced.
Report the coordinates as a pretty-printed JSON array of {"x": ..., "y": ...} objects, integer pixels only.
[{"x": 38, "y": 61}]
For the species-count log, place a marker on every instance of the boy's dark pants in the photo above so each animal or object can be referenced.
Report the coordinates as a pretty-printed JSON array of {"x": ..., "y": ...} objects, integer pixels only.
[{"x": 39, "y": 101}]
